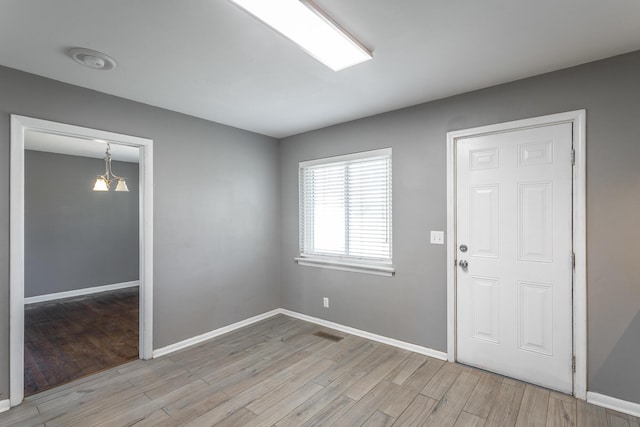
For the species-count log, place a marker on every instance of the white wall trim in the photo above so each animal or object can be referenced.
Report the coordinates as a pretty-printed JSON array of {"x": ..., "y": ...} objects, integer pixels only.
[
  {"x": 616, "y": 404},
  {"x": 212, "y": 334},
  {"x": 368, "y": 335},
  {"x": 5, "y": 405},
  {"x": 578, "y": 120},
  {"x": 451, "y": 249},
  {"x": 347, "y": 329},
  {"x": 580, "y": 250},
  {"x": 80, "y": 292},
  {"x": 16, "y": 262},
  {"x": 19, "y": 124}
]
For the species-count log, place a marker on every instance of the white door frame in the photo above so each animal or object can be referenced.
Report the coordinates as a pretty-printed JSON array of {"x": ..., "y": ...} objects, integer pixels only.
[
  {"x": 19, "y": 124},
  {"x": 578, "y": 120}
]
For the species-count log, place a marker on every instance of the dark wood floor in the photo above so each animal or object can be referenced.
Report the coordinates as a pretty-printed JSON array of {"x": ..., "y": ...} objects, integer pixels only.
[
  {"x": 279, "y": 372},
  {"x": 71, "y": 338}
]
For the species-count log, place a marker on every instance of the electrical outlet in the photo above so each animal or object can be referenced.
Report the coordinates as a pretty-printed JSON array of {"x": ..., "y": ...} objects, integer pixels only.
[
  {"x": 325, "y": 302},
  {"x": 437, "y": 237}
]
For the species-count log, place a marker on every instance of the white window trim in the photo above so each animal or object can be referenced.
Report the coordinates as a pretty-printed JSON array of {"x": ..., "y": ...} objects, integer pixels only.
[
  {"x": 375, "y": 267},
  {"x": 378, "y": 269}
]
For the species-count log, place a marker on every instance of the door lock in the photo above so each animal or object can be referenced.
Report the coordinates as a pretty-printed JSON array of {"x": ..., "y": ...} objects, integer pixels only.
[{"x": 463, "y": 248}]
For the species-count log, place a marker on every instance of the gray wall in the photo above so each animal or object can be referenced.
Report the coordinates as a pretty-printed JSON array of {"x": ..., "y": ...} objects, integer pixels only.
[
  {"x": 75, "y": 237},
  {"x": 217, "y": 217},
  {"x": 412, "y": 305},
  {"x": 216, "y": 207}
]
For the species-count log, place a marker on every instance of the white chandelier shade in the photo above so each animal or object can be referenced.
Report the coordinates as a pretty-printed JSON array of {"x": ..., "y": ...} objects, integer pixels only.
[{"x": 103, "y": 182}]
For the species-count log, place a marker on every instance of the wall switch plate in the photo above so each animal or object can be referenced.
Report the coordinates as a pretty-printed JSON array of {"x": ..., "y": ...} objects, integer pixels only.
[
  {"x": 325, "y": 302},
  {"x": 437, "y": 237}
]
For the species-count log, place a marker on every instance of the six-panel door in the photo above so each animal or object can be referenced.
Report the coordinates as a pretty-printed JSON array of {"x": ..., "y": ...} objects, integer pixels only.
[{"x": 514, "y": 299}]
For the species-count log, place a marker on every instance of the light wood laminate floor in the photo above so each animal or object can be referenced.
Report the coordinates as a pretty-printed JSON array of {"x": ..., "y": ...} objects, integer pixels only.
[{"x": 277, "y": 372}]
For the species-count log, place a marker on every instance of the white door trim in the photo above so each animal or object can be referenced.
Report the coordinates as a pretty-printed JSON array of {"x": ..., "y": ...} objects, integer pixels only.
[
  {"x": 19, "y": 124},
  {"x": 578, "y": 120}
]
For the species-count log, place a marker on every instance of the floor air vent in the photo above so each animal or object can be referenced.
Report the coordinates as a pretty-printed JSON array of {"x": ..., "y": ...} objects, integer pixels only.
[{"x": 328, "y": 336}]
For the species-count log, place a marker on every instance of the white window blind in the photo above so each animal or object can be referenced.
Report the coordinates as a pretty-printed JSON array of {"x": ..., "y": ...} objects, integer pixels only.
[{"x": 345, "y": 207}]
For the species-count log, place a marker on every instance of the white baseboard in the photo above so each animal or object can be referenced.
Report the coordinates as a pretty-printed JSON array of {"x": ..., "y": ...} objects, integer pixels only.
[
  {"x": 80, "y": 292},
  {"x": 616, "y": 404},
  {"x": 349, "y": 330},
  {"x": 5, "y": 405},
  {"x": 212, "y": 334},
  {"x": 368, "y": 335}
]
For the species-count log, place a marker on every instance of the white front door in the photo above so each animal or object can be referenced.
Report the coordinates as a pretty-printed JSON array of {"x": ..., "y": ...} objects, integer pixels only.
[{"x": 514, "y": 230}]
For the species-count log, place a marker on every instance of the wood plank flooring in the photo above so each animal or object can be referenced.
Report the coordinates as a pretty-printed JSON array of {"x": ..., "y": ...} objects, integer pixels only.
[
  {"x": 74, "y": 337},
  {"x": 277, "y": 373}
]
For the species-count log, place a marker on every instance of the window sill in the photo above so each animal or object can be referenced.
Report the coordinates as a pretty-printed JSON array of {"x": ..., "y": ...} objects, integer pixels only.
[{"x": 378, "y": 270}]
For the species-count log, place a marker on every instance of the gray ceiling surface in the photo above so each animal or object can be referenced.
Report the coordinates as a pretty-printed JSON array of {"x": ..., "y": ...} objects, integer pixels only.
[{"x": 212, "y": 60}]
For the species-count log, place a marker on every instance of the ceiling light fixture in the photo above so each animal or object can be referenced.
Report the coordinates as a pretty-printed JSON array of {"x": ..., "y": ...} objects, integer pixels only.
[
  {"x": 303, "y": 23},
  {"x": 92, "y": 59},
  {"x": 103, "y": 182}
]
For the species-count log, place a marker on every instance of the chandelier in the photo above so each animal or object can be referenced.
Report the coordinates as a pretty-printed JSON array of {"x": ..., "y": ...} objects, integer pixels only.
[{"x": 103, "y": 182}]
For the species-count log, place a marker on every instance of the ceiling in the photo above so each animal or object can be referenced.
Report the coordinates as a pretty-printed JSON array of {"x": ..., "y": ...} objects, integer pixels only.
[
  {"x": 74, "y": 146},
  {"x": 209, "y": 59}
]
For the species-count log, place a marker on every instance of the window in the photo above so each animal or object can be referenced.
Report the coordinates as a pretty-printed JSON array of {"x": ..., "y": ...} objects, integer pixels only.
[{"x": 345, "y": 212}]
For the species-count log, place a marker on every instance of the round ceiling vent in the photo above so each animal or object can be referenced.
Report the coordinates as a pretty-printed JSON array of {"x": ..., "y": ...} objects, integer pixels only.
[{"x": 92, "y": 59}]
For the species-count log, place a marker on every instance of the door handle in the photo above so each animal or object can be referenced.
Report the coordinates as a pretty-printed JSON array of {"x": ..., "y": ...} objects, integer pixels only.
[{"x": 463, "y": 263}]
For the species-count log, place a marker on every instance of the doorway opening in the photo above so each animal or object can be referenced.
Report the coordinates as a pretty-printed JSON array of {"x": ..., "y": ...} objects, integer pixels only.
[
  {"x": 123, "y": 294},
  {"x": 483, "y": 308},
  {"x": 81, "y": 260}
]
